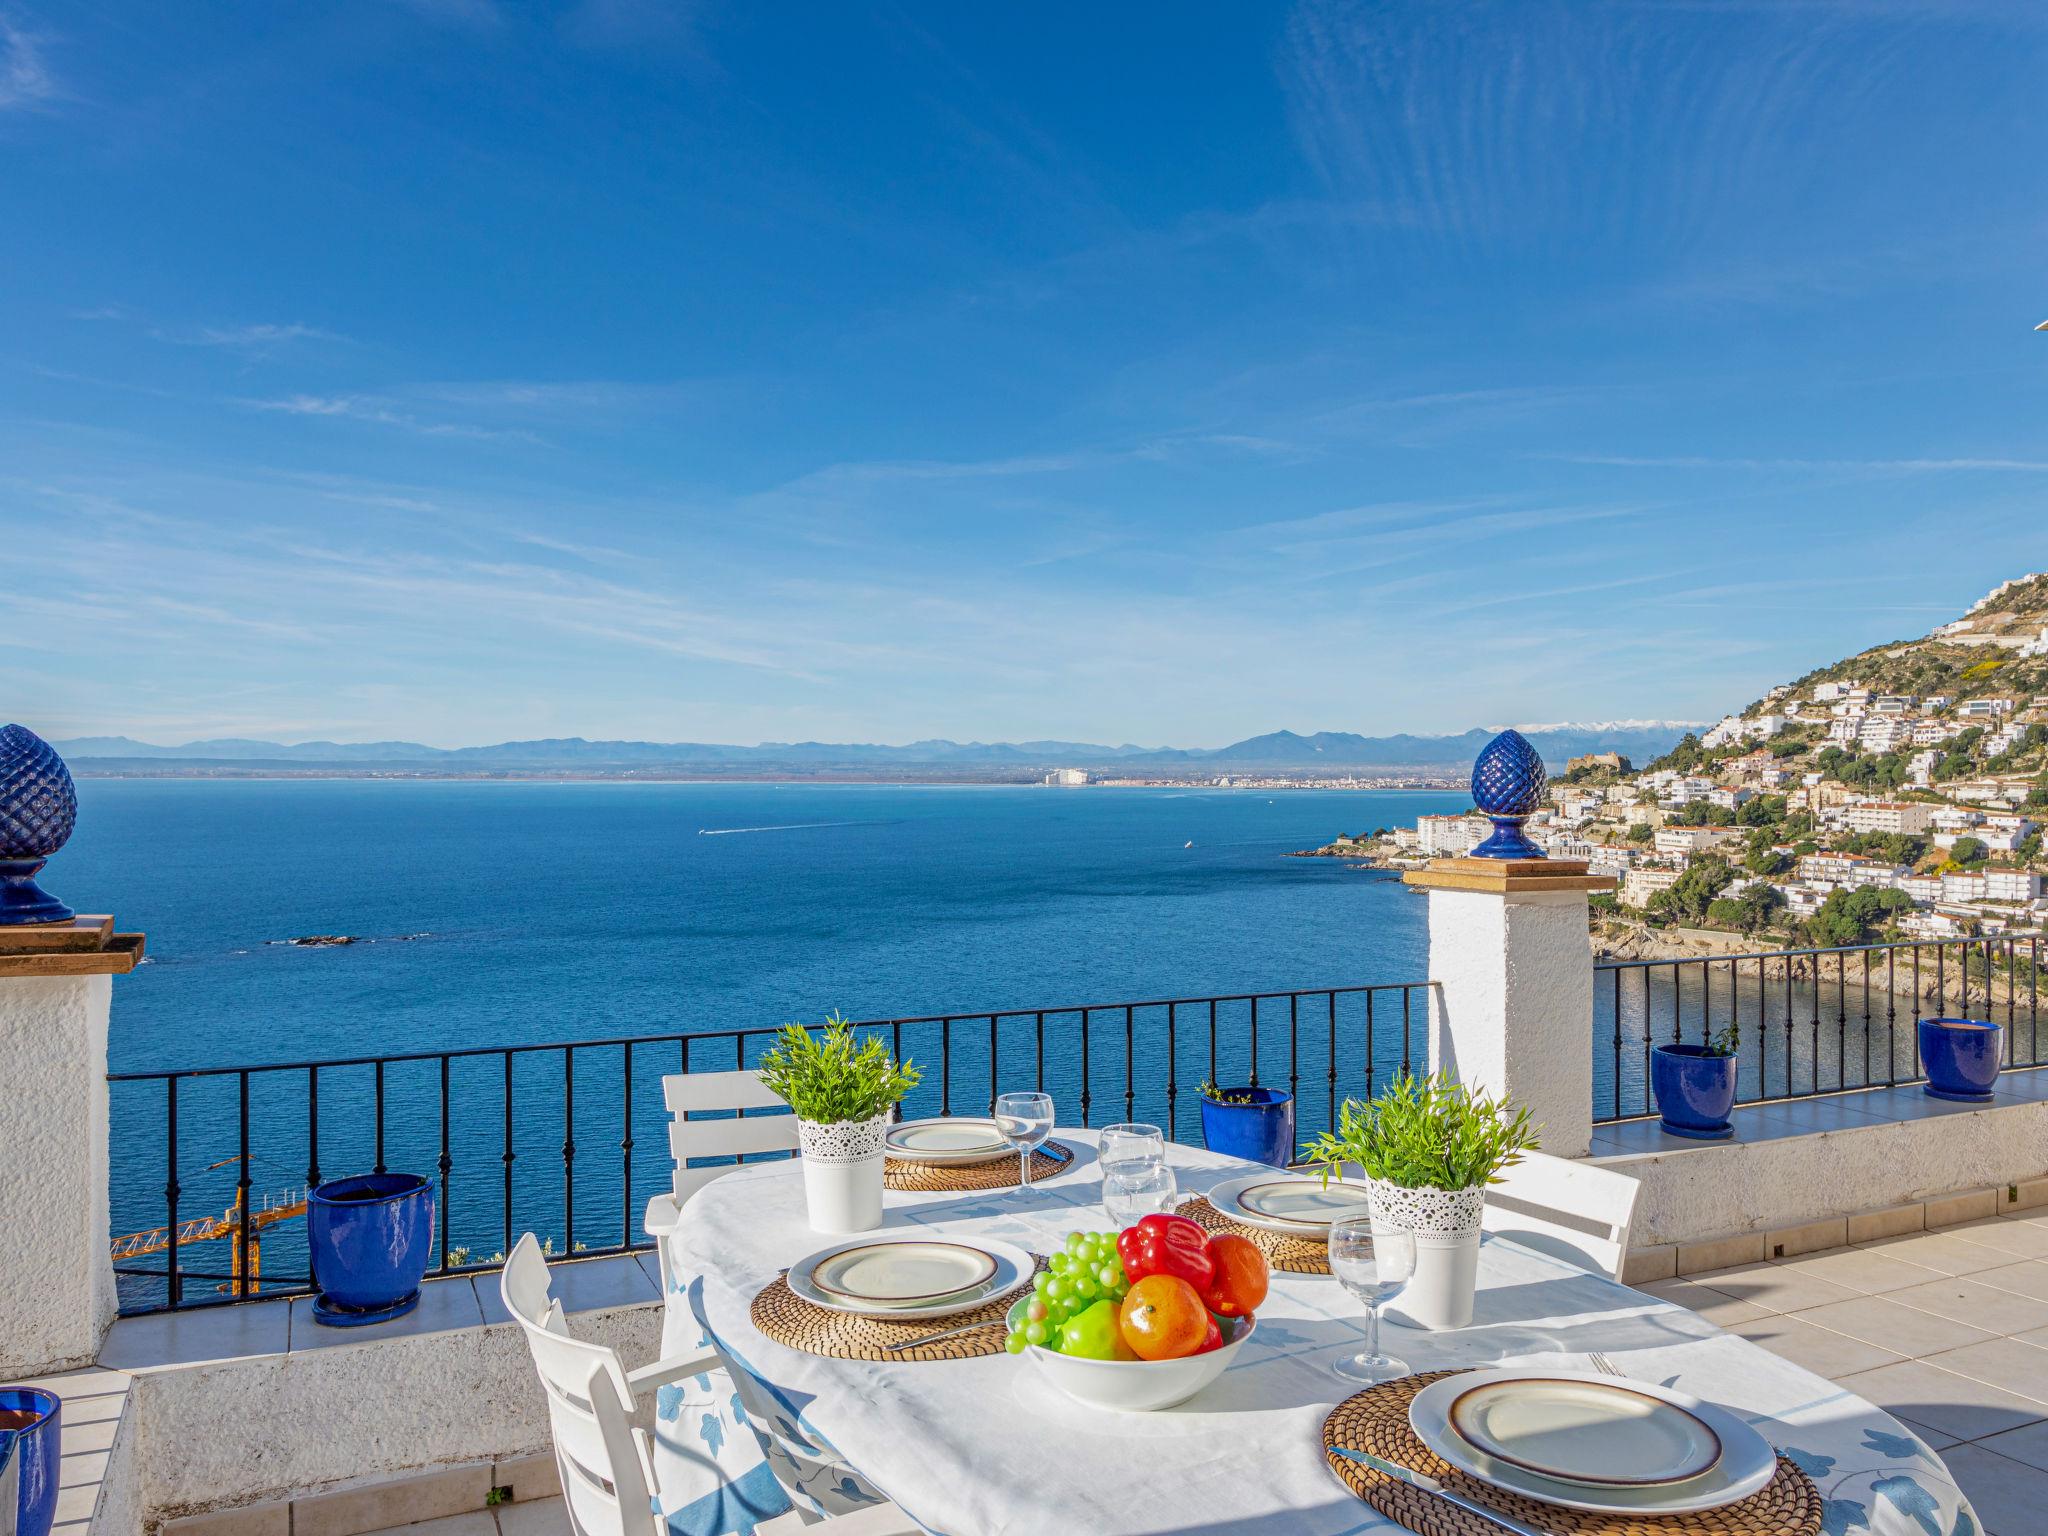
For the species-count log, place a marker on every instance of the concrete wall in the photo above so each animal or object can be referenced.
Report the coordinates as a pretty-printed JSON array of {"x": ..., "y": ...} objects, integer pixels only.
[
  {"x": 221, "y": 1433},
  {"x": 1717, "y": 1190}
]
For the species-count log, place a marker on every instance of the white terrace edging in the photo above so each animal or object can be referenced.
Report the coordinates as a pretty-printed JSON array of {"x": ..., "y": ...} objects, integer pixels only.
[
  {"x": 232, "y": 1408},
  {"x": 1710, "y": 1205}
]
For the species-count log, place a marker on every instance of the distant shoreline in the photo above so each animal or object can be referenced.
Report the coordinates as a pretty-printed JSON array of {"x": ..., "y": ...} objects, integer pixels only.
[{"x": 87, "y": 768}]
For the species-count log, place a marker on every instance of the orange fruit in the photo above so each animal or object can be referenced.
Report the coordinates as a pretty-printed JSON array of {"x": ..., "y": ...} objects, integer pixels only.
[{"x": 1163, "y": 1318}]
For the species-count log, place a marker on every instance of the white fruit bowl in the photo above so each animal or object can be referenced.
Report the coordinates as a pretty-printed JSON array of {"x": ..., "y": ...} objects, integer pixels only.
[{"x": 1141, "y": 1386}]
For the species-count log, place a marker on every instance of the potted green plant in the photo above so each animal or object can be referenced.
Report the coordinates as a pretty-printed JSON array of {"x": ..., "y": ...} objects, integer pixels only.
[
  {"x": 1695, "y": 1085},
  {"x": 1256, "y": 1124},
  {"x": 843, "y": 1092},
  {"x": 1428, "y": 1148}
]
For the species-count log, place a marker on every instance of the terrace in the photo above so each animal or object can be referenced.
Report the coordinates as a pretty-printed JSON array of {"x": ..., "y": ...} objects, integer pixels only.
[{"x": 1851, "y": 1227}]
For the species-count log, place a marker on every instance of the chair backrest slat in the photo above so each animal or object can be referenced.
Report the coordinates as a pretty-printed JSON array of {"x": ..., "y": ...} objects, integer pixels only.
[
  {"x": 1569, "y": 1209},
  {"x": 708, "y": 1124}
]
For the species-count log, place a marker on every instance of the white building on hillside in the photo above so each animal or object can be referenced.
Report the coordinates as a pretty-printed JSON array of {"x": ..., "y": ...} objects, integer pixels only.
[{"x": 1909, "y": 817}]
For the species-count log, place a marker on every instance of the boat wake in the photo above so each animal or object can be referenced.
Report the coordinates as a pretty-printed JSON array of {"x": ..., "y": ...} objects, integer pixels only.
[{"x": 793, "y": 826}]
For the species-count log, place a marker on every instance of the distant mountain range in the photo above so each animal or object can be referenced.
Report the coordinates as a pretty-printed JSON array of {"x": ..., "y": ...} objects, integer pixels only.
[{"x": 1324, "y": 751}]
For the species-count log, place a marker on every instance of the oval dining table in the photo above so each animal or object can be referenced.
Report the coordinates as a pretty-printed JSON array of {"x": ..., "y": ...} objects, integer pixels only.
[{"x": 984, "y": 1446}]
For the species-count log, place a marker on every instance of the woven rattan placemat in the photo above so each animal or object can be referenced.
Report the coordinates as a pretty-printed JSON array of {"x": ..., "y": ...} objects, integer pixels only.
[
  {"x": 930, "y": 1178},
  {"x": 1376, "y": 1420},
  {"x": 787, "y": 1318},
  {"x": 1292, "y": 1255}
]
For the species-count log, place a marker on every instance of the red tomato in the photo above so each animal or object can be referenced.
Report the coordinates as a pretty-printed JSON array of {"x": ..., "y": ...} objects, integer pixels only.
[
  {"x": 1163, "y": 1318},
  {"x": 1239, "y": 1284},
  {"x": 1215, "y": 1339}
]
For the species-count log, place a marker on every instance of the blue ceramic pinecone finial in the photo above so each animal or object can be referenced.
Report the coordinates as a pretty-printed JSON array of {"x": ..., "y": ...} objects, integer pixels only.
[
  {"x": 1507, "y": 785},
  {"x": 38, "y": 809}
]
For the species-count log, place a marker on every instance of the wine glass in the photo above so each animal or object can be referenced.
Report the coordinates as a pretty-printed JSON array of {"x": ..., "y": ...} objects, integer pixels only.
[
  {"x": 1372, "y": 1265},
  {"x": 1024, "y": 1120},
  {"x": 1131, "y": 1149}
]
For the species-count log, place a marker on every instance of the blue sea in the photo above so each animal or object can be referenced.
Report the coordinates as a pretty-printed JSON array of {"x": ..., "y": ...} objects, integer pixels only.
[{"x": 504, "y": 914}]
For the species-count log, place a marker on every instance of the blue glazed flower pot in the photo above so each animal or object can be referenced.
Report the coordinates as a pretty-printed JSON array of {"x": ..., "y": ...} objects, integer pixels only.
[
  {"x": 1259, "y": 1132},
  {"x": 31, "y": 1417},
  {"x": 1695, "y": 1091},
  {"x": 370, "y": 1238},
  {"x": 1960, "y": 1058}
]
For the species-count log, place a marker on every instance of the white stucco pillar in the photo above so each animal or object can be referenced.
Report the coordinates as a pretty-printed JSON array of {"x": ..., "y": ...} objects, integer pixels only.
[
  {"x": 56, "y": 1282},
  {"x": 1514, "y": 1008}
]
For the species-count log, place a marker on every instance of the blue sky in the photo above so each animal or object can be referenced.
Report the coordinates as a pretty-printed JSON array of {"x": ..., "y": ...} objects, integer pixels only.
[{"x": 459, "y": 370}]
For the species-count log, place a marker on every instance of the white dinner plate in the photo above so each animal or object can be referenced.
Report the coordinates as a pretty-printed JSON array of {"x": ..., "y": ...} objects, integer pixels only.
[
  {"x": 901, "y": 1274},
  {"x": 1746, "y": 1464},
  {"x": 1013, "y": 1269},
  {"x": 1297, "y": 1204},
  {"x": 1604, "y": 1433},
  {"x": 953, "y": 1141}
]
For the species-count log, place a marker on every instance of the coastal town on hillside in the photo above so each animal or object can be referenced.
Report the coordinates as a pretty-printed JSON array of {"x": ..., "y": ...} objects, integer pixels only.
[{"x": 1901, "y": 793}]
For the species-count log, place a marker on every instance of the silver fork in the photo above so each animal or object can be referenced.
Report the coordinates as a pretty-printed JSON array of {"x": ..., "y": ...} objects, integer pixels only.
[{"x": 1605, "y": 1366}]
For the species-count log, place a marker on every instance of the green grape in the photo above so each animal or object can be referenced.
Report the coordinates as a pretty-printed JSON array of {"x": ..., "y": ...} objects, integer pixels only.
[
  {"x": 1058, "y": 1264},
  {"x": 1084, "y": 1286},
  {"x": 1036, "y": 1333},
  {"x": 1108, "y": 1276},
  {"x": 1036, "y": 1311},
  {"x": 1040, "y": 1281},
  {"x": 1056, "y": 1288},
  {"x": 1014, "y": 1342},
  {"x": 1076, "y": 1241}
]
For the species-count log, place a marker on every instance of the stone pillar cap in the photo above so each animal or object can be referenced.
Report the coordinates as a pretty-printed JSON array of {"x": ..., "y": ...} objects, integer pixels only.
[
  {"x": 79, "y": 946},
  {"x": 1508, "y": 877}
]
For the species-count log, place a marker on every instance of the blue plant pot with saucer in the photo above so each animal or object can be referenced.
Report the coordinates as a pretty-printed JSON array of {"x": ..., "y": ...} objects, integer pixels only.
[
  {"x": 30, "y": 1432},
  {"x": 1695, "y": 1090},
  {"x": 370, "y": 1237},
  {"x": 1259, "y": 1130},
  {"x": 1960, "y": 1058}
]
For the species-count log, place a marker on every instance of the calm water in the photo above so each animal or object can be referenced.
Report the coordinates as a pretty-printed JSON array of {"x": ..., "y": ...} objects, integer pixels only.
[{"x": 502, "y": 914}]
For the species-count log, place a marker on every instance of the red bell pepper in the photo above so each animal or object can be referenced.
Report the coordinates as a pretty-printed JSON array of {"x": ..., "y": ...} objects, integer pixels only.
[{"x": 1166, "y": 1245}]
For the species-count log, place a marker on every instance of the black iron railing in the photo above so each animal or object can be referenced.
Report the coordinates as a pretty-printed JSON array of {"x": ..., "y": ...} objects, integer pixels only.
[
  {"x": 210, "y": 1165},
  {"x": 1811, "y": 1021}
]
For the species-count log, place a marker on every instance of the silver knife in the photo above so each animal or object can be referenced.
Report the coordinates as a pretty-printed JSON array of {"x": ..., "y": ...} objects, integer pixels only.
[{"x": 1429, "y": 1484}]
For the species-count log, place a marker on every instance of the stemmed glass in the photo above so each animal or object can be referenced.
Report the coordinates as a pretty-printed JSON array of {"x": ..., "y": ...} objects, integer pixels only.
[
  {"x": 1135, "y": 1179},
  {"x": 1024, "y": 1120},
  {"x": 1373, "y": 1266}
]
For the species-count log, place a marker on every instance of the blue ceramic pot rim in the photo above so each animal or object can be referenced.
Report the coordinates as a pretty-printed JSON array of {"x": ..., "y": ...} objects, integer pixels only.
[
  {"x": 1262, "y": 1098},
  {"x": 1693, "y": 1052},
  {"x": 363, "y": 1189},
  {"x": 1964, "y": 1023},
  {"x": 43, "y": 1405}
]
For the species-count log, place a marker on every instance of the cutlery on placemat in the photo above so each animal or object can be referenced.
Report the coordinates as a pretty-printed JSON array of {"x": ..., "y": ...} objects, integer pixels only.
[
  {"x": 933, "y": 1338},
  {"x": 1429, "y": 1484}
]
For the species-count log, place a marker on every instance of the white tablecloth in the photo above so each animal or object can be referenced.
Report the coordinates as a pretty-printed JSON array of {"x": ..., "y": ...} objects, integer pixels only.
[{"x": 986, "y": 1446}]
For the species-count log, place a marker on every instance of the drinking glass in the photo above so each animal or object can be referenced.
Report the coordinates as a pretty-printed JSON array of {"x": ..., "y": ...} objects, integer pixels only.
[
  {"x": 1373, "y": 1266},
  {"x": 1126, "y": 1197},
  {"x": 1135, "y": 1179},
  {"x": 1024, "y": 1120}
]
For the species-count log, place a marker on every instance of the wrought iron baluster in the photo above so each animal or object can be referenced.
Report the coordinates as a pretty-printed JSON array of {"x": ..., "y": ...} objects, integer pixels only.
[
  {"x": 174, "y": 1284},
  {"x": 626, "y": 1145},
  {"x": 1332, "y": 1074},
  {"x": 568, "y": 1149},
  {"x": 1130, "y": 1065},
  {"x": 380, "y": 1115},
  {"x": 446, "y": 1165},
  {"x": 993, "y": 1055},
  {"x": 945, "y": 1066},
  {"x": 243, "y": 1184},
  {"x": 1173, "y": 1071},
  {"x": 1041, "y": 1051},
  {"x": 1294, "y": 1046},
  {"x": 508, "y": 1155},
  {"x": 1255, "y": 1042},
  {"x": 1087, "y": 1091}
]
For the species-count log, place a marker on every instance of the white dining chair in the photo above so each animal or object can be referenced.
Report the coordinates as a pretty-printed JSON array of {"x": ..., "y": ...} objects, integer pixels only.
[
  {"x": 1569, "y": 1209},
  {"x": 722, "y": 1485},
  {"x": 611, "y": 1465},
  {"x": 715, "y": 1117}
]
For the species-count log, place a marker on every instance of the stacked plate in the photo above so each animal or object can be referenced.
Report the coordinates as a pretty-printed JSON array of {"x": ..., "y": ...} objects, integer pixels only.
[
  {"x": 950, "y": 1142},
  {"x": 908, "y": 1277},
  {"x": 1591, "y": 1442},
  {"x": 1299, "y": 1205}
]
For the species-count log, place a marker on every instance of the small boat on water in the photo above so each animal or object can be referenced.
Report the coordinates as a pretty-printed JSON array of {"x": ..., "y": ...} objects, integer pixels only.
[{"x": 1189, "y": 843}]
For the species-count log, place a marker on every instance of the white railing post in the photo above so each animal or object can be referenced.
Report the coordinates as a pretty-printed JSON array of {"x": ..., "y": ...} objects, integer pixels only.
[
  {"x": 1509, "y": 952},
  {"x": 57, "y": 1285}
]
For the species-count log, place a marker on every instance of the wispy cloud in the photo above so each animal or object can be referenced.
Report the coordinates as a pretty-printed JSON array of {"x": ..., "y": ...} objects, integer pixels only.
[
  {"x": 1879, "y": 466},
  {"x": 243, "y": 336},
  {"x": 368, "y": 408},
  {"x": 26, "y": 82}
]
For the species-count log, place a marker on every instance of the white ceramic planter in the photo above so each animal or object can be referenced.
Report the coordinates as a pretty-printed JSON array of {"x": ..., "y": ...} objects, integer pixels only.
[
  {"x": 1445, "y": 1226},
  {"x": 843, "y": 1173}
]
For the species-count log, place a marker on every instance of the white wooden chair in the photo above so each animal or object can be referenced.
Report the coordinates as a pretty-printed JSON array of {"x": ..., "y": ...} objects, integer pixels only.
[
  {"x": 713, "y": 1115},
  {"x": 601, "y": 1417},
  {"x": 1569, "y": 1209},
  {"x": 610, "y": 1465}
]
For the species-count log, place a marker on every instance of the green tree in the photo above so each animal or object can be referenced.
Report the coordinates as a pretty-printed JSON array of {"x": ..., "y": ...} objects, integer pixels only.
[
  {"x": 1751, "y": 912},
  {"x": 1641, "y": 832},
  {"x": 1763, "y": 811},
  {"x": 1969, "y": 852},
  {"x": 1686, "y": 899},
  {"x": 1851, "y": 917},
  {"x": 1766, "y": 861}
]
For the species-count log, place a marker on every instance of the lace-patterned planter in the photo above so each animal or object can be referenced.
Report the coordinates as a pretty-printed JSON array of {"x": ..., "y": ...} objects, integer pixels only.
[
  {"x": 1444, "y": 1224},
  {"x": 843, "y": 1172}
]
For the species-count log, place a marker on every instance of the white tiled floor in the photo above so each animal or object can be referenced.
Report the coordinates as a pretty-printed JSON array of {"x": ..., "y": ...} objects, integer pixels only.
[{"x": 1948, "y": 1330}]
